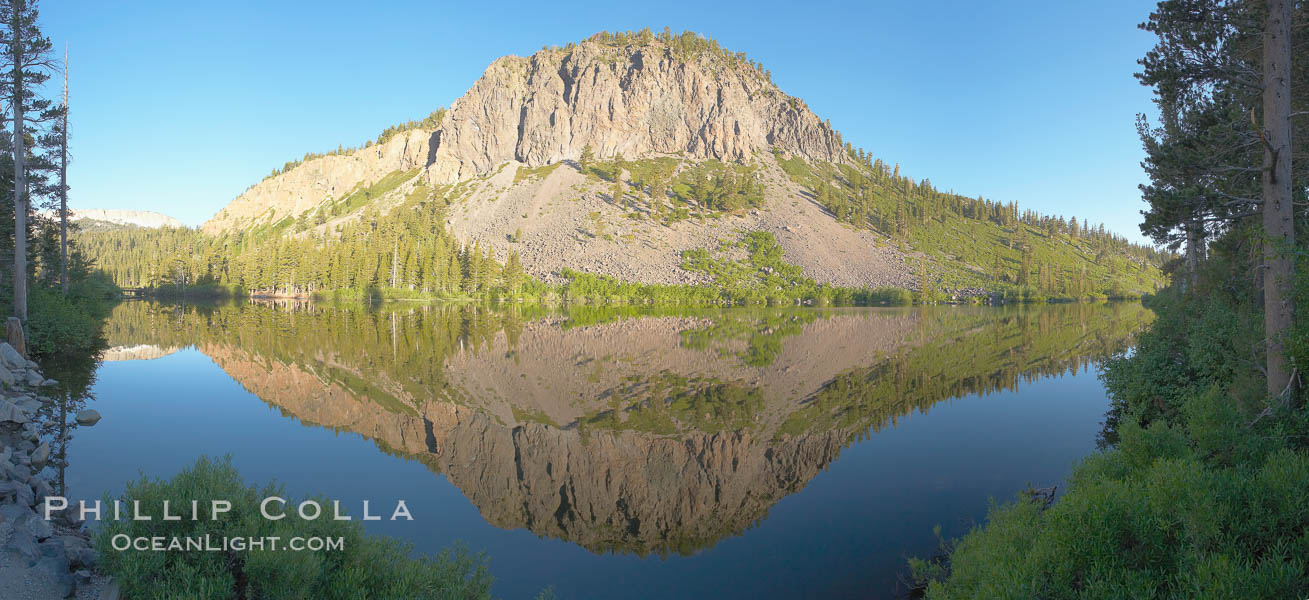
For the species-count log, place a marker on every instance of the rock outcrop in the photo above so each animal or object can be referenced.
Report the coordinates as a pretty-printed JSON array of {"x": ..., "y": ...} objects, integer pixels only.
[{"x": 635, "y": 99}]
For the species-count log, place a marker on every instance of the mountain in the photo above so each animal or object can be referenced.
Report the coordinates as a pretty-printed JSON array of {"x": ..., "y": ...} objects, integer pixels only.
[
  {"x": 657, "y": 159},
  {"x": 138, "y": 218}
]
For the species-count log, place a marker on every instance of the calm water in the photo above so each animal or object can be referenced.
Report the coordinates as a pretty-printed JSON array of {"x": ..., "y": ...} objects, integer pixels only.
[{"x": 717, "y": 454}]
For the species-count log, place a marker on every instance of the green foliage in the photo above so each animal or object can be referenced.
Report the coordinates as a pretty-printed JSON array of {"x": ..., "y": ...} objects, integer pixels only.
[
  {"x": 57, "y": 324},
  {"x": 1208, "y": 509},
  {"x": 718, "y": 187},
  {"x": 530, "y": 173},
  {"x": 405, "y": 253},
  {"x": 1201, "y": 494},
  {"x": 979, "y": 243},
  {"x": 365, "y": 567}
]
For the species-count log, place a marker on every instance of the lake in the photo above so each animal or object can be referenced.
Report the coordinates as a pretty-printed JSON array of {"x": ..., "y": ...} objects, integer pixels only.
[{"x": 738, "y": 453}]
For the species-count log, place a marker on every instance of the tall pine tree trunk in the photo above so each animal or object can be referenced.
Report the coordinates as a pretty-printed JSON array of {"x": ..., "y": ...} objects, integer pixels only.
[
  {"x": 1279, "y": 226},
  {"x": 63, "y": 186},
  {"x": 20, "y": 176}
]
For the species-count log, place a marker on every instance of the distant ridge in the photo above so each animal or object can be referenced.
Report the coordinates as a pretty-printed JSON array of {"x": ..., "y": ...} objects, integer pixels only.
[{"x": 139, "y": 218}]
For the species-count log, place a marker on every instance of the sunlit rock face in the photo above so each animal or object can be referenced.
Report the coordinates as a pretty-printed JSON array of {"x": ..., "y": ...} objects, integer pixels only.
[
  {"x": 636, "y": 99},
  {"x": 136, "y": 352},
  {"x": 633, "y": 99}
]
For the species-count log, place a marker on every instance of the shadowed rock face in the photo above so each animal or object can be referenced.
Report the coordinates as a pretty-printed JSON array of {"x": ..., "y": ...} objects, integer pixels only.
[
  {"x": 606, "y": 490},
  {"x": 622, "y": 491},
  {"x": 574, "y": 431}
]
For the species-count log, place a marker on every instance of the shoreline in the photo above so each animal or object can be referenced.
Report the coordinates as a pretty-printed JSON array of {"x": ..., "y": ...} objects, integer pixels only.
[{"x": 39, "y": 558}]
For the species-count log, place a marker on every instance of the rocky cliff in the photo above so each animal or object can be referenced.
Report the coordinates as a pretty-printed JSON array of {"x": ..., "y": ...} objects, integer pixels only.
[
  {"x": 631, "y": 99},
  {"x": 638, "y": 98}
]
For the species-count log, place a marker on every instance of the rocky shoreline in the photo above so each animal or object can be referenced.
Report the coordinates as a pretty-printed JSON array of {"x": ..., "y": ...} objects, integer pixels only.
[{"x": 39, "y": 558}]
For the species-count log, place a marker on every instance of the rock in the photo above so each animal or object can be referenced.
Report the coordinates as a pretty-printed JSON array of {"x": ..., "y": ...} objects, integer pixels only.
[
  {"x": 34, "y": 378},
  {"x": 636, "y": 99},
  {"x": 88, "y": 557},
  {"x": 58, "y": 569},
  {"x": 41, "y": 456},
  {"x": 42, "y": 489},
  {"x": 54, "y": 548},
  {"x": 10, "y": 412},
  {"x": 110, "y": 591},
  {"x": 88, "y": 417},
  {"x": 49, "y": 383},
  {"x": 39, "y": 528},
  {"x": 22, "y": 546},
  {"x": 25, "y": 495},
  {"x": 6, "y": 376},
  {"x": 11, "y": 357},
  {"x": 16, "y": 513},
  {"x": 28, "y": 403},
  {"x": 8, "y": 491},
  {"x": 15, "y": 341}
]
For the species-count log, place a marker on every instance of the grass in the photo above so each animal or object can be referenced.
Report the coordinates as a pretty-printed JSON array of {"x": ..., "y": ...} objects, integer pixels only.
[{"x": 365, "y": 567}]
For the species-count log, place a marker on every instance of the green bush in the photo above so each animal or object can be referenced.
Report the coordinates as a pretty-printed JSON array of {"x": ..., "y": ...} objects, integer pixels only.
[
  {"x": 60, "y": 325},
  {"x": 366, "y": 567},
  {"x": 1203, "y": 492}
]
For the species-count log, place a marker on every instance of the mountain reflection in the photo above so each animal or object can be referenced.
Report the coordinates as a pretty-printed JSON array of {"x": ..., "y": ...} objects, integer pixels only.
[{"x": 623, "y": 430}]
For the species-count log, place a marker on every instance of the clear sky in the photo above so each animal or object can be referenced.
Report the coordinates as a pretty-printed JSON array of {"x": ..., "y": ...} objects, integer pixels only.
[{"x": 179, "y": 106}]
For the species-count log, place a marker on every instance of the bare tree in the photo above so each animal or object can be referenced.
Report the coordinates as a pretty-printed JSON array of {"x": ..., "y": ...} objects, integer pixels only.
[
  {"x": 16, "y": 55},
  {"x": 63, "y": 183}
]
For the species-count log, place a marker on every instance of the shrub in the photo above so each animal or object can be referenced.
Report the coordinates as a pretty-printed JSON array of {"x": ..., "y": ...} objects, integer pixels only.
[
  {"x": 366, "y": 567},
  {"x": 1202, "y": 495},
  {"x": 61, "y": 325}
]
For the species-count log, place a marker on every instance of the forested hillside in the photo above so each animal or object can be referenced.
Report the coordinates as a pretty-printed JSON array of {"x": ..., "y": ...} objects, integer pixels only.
[{"x": 663, "y": 211}]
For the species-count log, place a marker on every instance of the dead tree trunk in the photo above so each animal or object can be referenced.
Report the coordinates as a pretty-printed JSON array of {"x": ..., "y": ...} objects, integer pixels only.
[
  {"x": 20, "y": 175},
  {"x": 63, "y": 185}
]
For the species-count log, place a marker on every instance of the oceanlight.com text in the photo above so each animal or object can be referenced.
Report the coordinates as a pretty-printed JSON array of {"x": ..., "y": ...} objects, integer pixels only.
[{"x": 123, "y": 542}]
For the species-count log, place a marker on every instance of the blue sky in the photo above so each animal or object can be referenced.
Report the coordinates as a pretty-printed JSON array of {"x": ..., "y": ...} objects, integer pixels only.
[{"x": 179, "y": 106}]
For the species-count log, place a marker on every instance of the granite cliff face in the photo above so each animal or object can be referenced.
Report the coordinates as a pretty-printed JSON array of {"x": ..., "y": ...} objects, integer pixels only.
[
  {"x": 632, "y": 100},
  {"x": 636, "y": 99}
]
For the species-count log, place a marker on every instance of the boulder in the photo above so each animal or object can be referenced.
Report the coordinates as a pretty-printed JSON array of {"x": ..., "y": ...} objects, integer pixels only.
[
  {"x": 41, "y": 456},
  {"x": 110, "y": 591},
  {"x": 26, "y": 497},
  {"x": 63, "y": 579},
  {"x": 88, "y": 417},
  {"x": 9, "y": 412},
  {"x": 42, "y": 489},
  {"x": 11, "y": 357},
  {"x": 6, "y": 376},
  {"x": 34, "y": 378},
  {"x": 14, "y": 513}
]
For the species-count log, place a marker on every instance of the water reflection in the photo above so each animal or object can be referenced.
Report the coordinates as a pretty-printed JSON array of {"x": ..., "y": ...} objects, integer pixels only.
[{"x": 623, "y": 430}]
